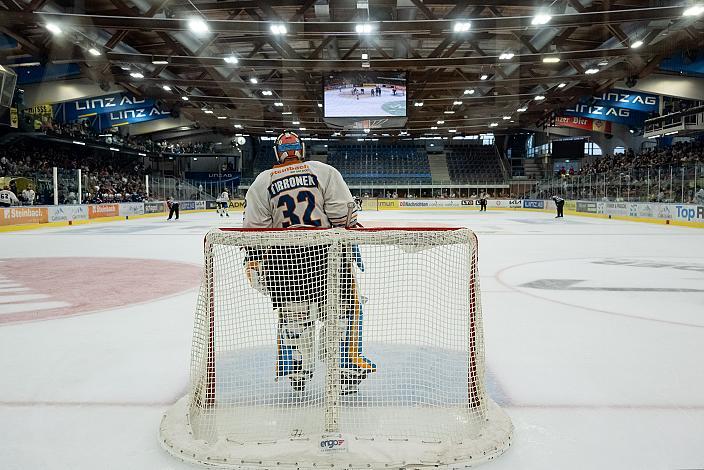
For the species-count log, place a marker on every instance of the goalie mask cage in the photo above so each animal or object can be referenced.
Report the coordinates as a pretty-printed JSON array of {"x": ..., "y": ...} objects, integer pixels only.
[{"x": 387, "y": 356}]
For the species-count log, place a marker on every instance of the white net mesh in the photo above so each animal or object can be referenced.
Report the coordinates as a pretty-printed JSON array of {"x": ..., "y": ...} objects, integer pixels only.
[{"x": 338, "y": 347}]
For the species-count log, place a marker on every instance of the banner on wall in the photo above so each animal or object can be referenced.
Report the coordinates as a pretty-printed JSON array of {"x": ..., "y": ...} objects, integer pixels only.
[
  {"x": 65, "y": 213},
  {"x": 128, "y": 116},
  {"x": 24, "y": 215},
  {"x": 626, "y": 99},
  {"x": 224, "y": 177},
  {"x": 627, "y": 117},
  {"x": 72, "y": 110},
  {"x": 587, "y": 124},
  {"x": 103, "y": 210}
]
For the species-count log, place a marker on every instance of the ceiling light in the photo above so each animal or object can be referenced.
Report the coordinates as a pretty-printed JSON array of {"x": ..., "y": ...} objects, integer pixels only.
[
  {"x": 551, "y": 60},
  {"x": 253, "y": 80},
  {"x": 433, "y": 127},
  {"x": 278, "y": 29},
  {"x": 238, "y": 126},
  {"x": 441, "y": 122},
  {"x": 114, "y": 149},
  {"x": 562, "y": 85},
  {"x": 493, "y": 124},
  {"x": 541, "y": 18},
  {"x": 230, "y": 59},
  {"x": 320, "y": 105},
  {"x": 636, "y": 44},
  {"x": 539, "y": 98},
  {"x": 457, "y": 103},
  {"x": 449, "y": 112},
  {"x": 53, "y": 28},
  {"x": 184, "y": 98},
  {"x": 137, "y": 75},
  {"x": 603, "y": 63},
  {"x": 267, "y": 92},
  {"x": 160, "y": 62},
  {"x": 269, "y": 131},
  {"x": 484, "y": 77},
  {"x": 278, "y": 103},
  {"x": 522, "y": 109},
  {"x": 198, "y": 26},
  {"x": 591, "y": 71},
  {"x": 694, "y": 10},
  {"x": 506, "y": 56},
  {"x": 286, "y": 112},
  {"x": 301, "y": 128},
  {"x": 94, "y": 51},
  {"x": 469, "y": 92},
  {"x": 208, "y": 111},
  {"x": 366, "y": 130},
  {"x": 295, "y": 123},
  {"x": 506, "y": 118},
  {"x": 462, "y": 27},
  {"x": 363, "y": 28},
  {"x": 365, "y": 56},
  {"x": 222, "y": 117},
  {"x": 418, "y": 104},
  {"x": 166, "y": 88},
  {"x": 452, "y": 130}
]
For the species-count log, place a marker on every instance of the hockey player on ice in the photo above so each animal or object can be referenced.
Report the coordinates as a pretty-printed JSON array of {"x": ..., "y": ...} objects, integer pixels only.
[
  {"x": 296, "y": 193},
  {"x": 223, "y": 201}
]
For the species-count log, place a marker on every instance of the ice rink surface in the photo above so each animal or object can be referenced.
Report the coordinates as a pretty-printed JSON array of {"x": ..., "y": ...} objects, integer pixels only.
[{"x": 594, "y": 334}]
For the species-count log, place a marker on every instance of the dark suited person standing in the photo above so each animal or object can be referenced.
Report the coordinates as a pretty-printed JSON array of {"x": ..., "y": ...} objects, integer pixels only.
[
  {"x": 560, "y": 204},
  {"x": 173, "y": 207}
]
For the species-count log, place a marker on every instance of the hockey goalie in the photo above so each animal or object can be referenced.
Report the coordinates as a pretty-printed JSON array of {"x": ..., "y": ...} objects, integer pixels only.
[{"x": 299, "y": 194}]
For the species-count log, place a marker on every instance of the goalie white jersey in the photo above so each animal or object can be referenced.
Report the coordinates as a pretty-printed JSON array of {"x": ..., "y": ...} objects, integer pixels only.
[{"x": 311, "y": 194}]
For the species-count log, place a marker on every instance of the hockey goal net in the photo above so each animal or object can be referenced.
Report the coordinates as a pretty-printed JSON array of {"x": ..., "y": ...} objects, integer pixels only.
[{"x": 339, "y": 348}]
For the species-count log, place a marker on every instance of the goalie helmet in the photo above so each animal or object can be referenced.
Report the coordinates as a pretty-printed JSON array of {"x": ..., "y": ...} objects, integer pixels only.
[{"x": 289, "y": 145}]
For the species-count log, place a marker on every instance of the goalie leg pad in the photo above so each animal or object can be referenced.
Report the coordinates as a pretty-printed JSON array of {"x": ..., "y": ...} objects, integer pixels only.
[{"x": 296, "y": 342}]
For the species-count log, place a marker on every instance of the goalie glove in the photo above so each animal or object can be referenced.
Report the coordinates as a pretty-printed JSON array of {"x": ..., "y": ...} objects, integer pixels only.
[{"x": 255, "y": 276}]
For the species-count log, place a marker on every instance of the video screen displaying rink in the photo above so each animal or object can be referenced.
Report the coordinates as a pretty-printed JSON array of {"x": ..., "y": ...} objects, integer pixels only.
[{"x": 365, "y": 101}]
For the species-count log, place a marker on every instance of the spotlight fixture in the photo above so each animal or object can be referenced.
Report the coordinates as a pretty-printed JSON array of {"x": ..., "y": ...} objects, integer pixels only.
[
  {"x": 636, "y": 44},
  {"x": 208, "y": 111},
  {"x": 238, "y": 126},
  {"x": 278, "y": 29},
  {"x": 286, "y": 113},
  {"x": 367, "y": 130},
  {"x": 452, "y": 130},
  {"x": 167, "y": 88},
  {"x": 184, "y": 98},
  {"x": 94, "y": 51},
  {"x": 301, "y": 128},
  {"x": 320, "y": 105},
  {"x": 137, "y": 75},
  {"x": 231, "y": 59},
  {"x": 295, "y": 123},
  {"x": 198, "y": 26},
  {"x": 441, "y": 122},
  {"x": 253, "y": 80},
  {"x": 267, "y": 92},
  {"x": 694, "y": 10},
  {"x": 469, "y": 92},
  {"x": 522, "y": 109},
  {"x": 418, "y": 104},
  {"x": 53, "y": 28},
  {"x": 457, "y": 103},
  {"x": 551, "y": 60},
  {"x": 562, "y": 85},
  {"x": 462, "y": 26},
  {"x": 591, "y": 71},
  {"x": 603, "y": 63},
  {"x": 541, "y": 18},
  {"x": 539, "y": 98},
  {"x": 493, "y": 124},
  {"x": 365, "y": 56},
  {"x": 506, "y": 56},
  {"x": 484, "y": 77},
  {"x": 433, "y": 128},
  {"x": 278, "y": 103},
  {"x": 506, "y": 118},
  {"x": 363, "y": 28},
  {"x": 222, "y": 117},
  {"x": 160, "y": 61},
  {"x": 449, "y": 111}
]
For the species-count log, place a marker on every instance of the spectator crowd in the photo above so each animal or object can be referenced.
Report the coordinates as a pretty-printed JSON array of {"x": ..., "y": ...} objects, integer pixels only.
[{"x": 105, "y": 178}]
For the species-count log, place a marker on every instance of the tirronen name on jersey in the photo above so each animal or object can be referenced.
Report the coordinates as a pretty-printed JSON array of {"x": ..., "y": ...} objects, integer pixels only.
[{"x": 292, "y": 182}]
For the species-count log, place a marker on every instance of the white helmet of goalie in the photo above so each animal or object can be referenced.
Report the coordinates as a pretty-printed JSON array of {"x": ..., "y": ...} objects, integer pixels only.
[{"x": 289, "y": 145}]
